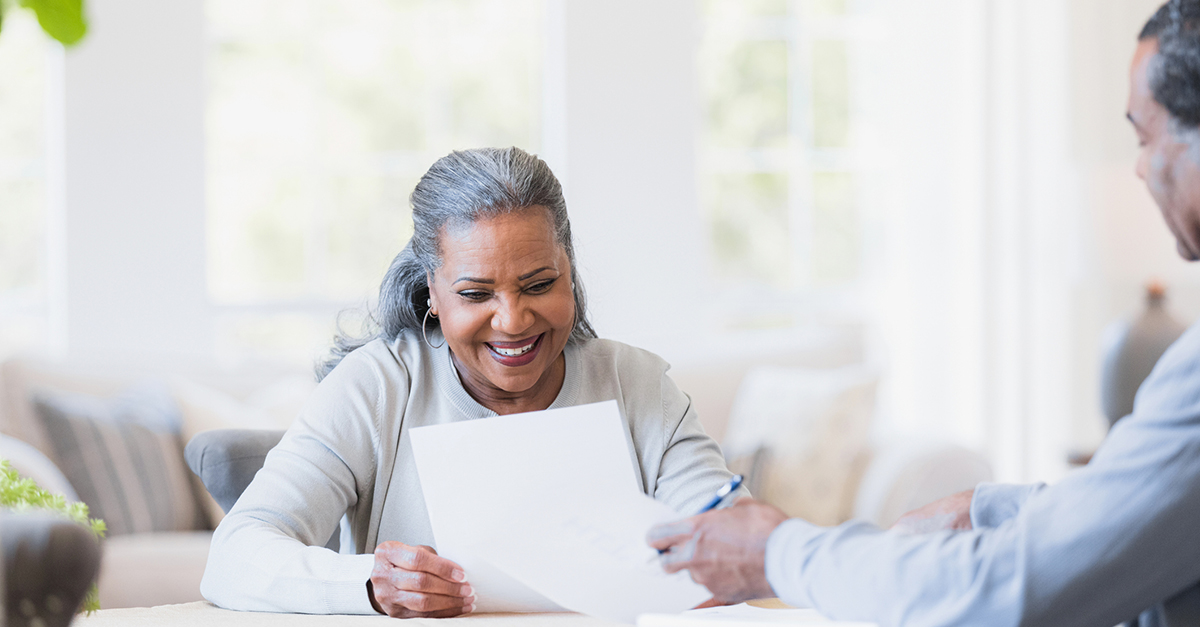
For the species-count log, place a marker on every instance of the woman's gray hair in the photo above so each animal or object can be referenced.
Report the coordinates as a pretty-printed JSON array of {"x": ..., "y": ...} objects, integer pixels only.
[{"x": 458, "y": 190}]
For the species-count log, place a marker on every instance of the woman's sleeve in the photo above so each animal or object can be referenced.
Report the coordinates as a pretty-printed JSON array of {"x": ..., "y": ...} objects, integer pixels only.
[
  {"x": 692, "y": 467},
  {"x": 268, "y": 554}
]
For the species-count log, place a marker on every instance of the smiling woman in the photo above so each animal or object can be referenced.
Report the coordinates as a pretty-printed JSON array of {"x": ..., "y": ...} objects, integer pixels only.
[
  {"x": 491, "y": 241},
  {"x": 509, "y": 314},
  {"x": 490, "y": 270}
]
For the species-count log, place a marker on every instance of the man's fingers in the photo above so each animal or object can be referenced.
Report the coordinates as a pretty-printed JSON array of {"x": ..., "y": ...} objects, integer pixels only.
[
  {"x": 680, "y": 556},
  {"x": 667, "y": 535},
  {"x": 415, "y": 558}
]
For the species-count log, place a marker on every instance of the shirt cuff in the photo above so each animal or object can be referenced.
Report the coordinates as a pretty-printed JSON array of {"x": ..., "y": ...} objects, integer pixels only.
[
  {"x": 994, "y": 503},
  {"x": 347, "y": 588},
  {"x": 787, "y": 550}
]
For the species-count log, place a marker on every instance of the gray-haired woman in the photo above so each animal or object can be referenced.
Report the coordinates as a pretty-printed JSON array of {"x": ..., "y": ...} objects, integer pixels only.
[{"x": 482, "y": 314}]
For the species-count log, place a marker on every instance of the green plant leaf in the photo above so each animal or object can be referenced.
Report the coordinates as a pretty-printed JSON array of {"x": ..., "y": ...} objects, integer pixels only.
[
  {"x": 61, "y": 19},
  {"x": 22, "y": 494}
]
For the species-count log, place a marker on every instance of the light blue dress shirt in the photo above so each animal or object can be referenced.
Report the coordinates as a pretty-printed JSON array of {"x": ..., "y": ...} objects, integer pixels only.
[{"x": 1103, "y": 545}]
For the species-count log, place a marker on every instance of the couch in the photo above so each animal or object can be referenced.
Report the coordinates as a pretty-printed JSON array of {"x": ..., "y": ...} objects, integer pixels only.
[
  {"x": 152, "y": 568},
  {"x": 828, "y": 469}
]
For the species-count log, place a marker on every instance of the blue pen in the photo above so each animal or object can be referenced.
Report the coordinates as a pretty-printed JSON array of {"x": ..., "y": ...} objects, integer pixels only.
[{"x": 734, "y": 483}]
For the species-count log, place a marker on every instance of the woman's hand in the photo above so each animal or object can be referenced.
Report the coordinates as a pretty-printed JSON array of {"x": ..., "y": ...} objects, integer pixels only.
[{"x": 413, "y": 582}]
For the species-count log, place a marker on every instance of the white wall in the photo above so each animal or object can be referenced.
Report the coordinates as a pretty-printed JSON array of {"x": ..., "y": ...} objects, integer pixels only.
[
  {"x": 133, "y": 165},
  {"x": 627, "y": 147}
]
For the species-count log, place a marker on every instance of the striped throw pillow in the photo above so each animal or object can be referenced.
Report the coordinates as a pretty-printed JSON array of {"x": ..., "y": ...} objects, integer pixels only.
[{"x": 124, "y": 458}]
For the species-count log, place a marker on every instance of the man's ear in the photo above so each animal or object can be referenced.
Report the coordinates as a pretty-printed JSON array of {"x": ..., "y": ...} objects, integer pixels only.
[{"x": 1191, "y": 138}]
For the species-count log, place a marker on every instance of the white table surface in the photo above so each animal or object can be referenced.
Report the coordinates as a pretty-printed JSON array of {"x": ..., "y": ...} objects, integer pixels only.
[{"x": 204, "y": 614}]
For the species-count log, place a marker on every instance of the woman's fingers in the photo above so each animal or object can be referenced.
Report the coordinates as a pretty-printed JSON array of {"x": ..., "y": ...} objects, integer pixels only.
[
  {"x": 417, "y": 581},
  {"x": 425, "y": 604},
  {"x": 424, "y": 559},
  {"x": 448, "y": 613},
  {"x": 439, "y": 614},
  {"x": 412, "y": 581},
  {"x": 400, "y": 603}
]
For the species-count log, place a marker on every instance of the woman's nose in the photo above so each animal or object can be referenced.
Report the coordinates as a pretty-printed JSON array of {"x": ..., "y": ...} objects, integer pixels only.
[{"x": 512, "y": 317}]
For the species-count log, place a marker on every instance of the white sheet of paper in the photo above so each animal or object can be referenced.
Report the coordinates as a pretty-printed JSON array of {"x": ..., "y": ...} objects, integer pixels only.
[
  {"x": 593, "y": 558},
  {"x": 544, "y": 512}
]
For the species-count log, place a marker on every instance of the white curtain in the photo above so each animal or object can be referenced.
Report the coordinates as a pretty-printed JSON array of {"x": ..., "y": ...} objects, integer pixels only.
[{"x": 979, "y": 227}]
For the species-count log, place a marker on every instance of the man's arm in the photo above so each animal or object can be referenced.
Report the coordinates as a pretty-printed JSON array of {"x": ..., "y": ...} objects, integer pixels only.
[
  {"x": 992, "y": 504},
  {"x": 1107, "y": 542},
  {"x": 987, "y": 505}
]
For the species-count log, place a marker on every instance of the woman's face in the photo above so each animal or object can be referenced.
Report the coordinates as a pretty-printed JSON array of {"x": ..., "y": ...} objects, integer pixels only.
[{"x": 504, "y": 299}]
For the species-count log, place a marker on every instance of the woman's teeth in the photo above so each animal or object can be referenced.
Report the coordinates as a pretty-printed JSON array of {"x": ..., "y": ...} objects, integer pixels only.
[{"x": 514, "y": 352}]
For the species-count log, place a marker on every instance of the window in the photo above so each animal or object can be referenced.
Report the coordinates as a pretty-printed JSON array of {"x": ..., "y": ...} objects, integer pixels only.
[
  {"x": 779, "y": 186},
  {"x": 23, "y": 280},
  {"x": 322, "y": 116}
]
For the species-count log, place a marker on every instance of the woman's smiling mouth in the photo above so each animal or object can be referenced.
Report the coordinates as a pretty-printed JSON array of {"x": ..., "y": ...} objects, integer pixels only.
[{"x": 515, "y": 354}]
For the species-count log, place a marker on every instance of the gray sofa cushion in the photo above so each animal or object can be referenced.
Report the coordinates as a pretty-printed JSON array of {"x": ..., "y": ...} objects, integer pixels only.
[{"x": 226, "y": 460}]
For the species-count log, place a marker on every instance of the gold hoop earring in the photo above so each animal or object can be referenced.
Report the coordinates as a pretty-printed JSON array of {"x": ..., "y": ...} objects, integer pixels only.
[{"x": 424, "y": 322}]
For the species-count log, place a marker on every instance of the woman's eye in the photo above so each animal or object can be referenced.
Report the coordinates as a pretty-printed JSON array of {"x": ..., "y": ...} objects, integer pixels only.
[
  {"x": 474, "y": 296},
  {"x": 540, "y": 287}
]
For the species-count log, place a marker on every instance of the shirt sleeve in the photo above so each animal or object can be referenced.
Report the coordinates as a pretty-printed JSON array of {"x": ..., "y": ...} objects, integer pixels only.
[
  {"x": 692, "y": 467},
  {"x": 1105, "y": 543},
  {"x": 994, "y": 503},
  {"x": 268, "y": 554}
]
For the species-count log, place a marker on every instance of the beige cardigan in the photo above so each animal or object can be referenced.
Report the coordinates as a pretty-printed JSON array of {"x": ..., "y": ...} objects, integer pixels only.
[{"x": 349, "y": 453}]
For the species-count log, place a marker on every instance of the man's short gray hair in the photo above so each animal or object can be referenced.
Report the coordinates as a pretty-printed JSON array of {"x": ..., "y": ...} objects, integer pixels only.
[{"x": 1175, "y": 73}]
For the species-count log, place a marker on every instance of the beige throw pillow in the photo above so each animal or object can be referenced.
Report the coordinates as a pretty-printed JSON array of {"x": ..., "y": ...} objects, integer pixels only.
[{"x": 800, "y": 436}]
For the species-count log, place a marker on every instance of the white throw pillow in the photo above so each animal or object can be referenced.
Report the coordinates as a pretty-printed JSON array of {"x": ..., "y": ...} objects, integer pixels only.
[
  {"x": 273, "y": 406},
  {"x": 801, "y": 434}
]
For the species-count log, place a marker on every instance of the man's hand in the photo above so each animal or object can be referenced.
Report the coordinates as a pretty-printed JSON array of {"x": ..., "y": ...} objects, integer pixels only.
[
  {"x": 413, "y": 582},
  {"x": 952, "y": 512},
  {"x": 725, "y": 549}
]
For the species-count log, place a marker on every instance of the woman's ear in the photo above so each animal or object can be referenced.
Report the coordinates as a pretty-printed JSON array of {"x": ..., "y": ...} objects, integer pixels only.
[{"x": 432, "y": 298}]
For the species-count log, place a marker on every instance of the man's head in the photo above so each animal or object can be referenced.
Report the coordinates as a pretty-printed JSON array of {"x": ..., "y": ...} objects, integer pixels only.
[{"x": 1164, "y": 107}]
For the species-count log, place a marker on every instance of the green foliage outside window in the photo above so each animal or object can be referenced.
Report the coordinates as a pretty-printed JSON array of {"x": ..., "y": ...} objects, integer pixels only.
[
  {"x": 61, "y": 19},
  {"x": 778, "y": 160}
]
